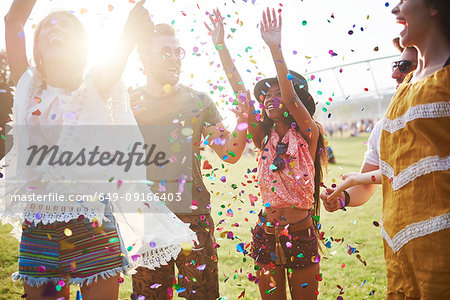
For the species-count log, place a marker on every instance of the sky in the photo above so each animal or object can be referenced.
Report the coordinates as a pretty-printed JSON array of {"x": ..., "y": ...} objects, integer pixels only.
[{"x": 316, "y": 35}]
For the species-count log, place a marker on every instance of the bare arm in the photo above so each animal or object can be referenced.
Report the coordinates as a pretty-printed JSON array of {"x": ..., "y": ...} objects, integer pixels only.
[
  {"x": 359, "y": 194},
  {"x": 233, "y": 75},
  {"x": 15, "y": 20},
  {"x": 109, "y": 73},
  {"x": 271, "y": 34}
]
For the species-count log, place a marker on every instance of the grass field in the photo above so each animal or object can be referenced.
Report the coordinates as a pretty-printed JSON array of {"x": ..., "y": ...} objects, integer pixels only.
[{"x": 343, "y": 274}]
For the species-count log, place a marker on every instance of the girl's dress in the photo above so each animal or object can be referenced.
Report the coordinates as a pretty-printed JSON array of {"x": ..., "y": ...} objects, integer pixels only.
[{"x": 81, "y": 220}]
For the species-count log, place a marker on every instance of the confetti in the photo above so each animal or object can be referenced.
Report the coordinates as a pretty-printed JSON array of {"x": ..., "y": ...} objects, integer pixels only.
[
  {"x": 242, "y": 126},
  {"x": 155, "y": 286},
  {"x": 67, "y": 232},
  {"x": 167, "y": 88},
  {"x": 240, "y": 247}
]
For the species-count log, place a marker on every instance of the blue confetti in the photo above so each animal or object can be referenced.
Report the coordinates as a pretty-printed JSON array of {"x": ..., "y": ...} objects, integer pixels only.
[{"x": 240, "y": 247}]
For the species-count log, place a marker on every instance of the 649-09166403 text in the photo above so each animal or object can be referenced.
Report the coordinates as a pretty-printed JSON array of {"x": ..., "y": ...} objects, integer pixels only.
[{"x": 58, "y": 197}]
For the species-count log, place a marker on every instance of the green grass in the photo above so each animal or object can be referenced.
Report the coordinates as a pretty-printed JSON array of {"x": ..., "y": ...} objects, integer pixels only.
[{"x": 355, "y": 228}]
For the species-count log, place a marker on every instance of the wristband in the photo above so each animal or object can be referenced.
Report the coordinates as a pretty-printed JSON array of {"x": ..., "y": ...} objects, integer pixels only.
[
  {"x": 347, "y": 197},
  {"x": 347, "y": 200}
]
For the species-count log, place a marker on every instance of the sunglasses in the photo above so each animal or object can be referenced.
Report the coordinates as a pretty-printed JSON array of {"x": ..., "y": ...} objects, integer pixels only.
[
  {"x": 404, "y": 66},
  {"x": 167, "y": 52},
  {"x": 278, "y": 162}
]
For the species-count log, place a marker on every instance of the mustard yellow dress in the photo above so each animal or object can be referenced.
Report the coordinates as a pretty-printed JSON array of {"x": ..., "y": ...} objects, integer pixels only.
[{"x": 415, "y": 163}]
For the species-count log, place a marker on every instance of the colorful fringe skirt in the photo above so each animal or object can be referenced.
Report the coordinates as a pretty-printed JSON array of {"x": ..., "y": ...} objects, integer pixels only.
[{"x": 77, "y": 252}]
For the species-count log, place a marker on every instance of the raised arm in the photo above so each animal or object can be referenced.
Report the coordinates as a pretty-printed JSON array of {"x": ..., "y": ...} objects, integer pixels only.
[
  {"x": 271, "y": 34},
  {"x": 108, "y": 74},
  {"x": 235, "y": 79},
  {"x": 15, "y": 21}
]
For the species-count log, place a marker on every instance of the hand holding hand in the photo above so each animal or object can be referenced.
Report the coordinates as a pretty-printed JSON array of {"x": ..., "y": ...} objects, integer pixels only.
[
  {"x": 350, "y": 180},
  {"x": 217, "y": 33},
  {"x": 271, "y": 29},
  {"x": 331, "y": 205}
]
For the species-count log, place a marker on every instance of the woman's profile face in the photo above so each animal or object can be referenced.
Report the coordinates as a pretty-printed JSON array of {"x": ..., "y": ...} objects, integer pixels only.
[
  {"x": 62, "y": 54},
  {"x": 415, "y": 15}
]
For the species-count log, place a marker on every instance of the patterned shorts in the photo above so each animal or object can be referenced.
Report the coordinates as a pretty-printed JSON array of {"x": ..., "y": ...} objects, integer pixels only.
[
  {"x": 77, "y": 251},
  {"x": 197, "y": 270},
  {"x": 300, "y": 248}
]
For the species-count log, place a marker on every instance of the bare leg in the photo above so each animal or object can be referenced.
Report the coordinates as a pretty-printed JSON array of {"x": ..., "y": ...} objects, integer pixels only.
[
  {"x": 103, "y": 289},
  {"x": 46, "y": 292},
  {"x": 269, "y": 279},
  {"x": 304, "y": 276}
]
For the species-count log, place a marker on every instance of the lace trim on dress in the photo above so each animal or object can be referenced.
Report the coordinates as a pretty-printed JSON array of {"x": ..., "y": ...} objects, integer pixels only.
[
  {"x": 415, "y": 230},
  {"x": 422, "y": 167},
  {"x": 422, "y": 111}
]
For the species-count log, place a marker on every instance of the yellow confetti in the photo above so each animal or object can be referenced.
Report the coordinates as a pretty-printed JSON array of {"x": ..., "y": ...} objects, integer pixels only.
[
  {"x": 67, "y": 232},
  {"x": 186, "y": 248},
  {"x": 167, "y": 88}
]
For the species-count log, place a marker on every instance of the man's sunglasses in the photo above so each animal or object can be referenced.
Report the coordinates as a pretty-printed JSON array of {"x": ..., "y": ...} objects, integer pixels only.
[
  {"x": 404, "y": 66},
  {"x": 278, "y": 161},
  {"x": 167, "y": 52}
]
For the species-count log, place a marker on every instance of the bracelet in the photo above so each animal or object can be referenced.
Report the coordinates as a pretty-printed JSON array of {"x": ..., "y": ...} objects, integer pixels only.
[{"x": 347, "y": 197}]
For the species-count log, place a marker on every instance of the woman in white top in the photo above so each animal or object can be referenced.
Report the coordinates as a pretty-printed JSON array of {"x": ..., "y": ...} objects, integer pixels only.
[{"x": 78, "y": 241}]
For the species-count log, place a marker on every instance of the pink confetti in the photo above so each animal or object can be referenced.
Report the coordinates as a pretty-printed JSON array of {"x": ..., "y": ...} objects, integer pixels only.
[{"x": 242, "y": 126}]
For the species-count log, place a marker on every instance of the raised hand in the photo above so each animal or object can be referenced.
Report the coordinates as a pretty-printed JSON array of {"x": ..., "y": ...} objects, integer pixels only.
[
  {"x": 243, "y": 108},
  {"x": 271, "y": 28},
  {"x": 217, "y": 33},
  {"x": 138, "y": 24}
]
